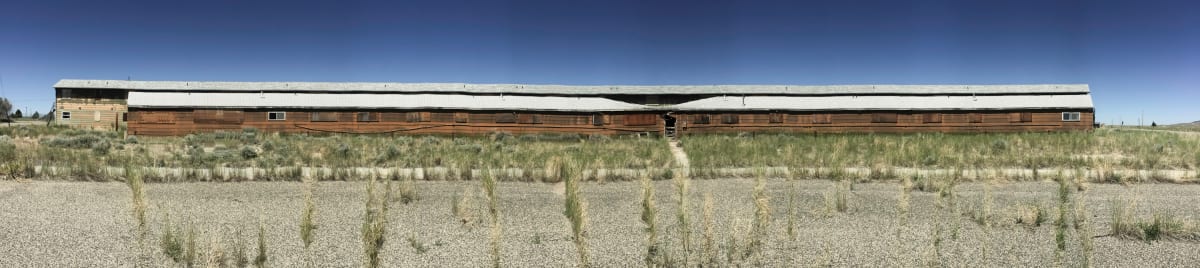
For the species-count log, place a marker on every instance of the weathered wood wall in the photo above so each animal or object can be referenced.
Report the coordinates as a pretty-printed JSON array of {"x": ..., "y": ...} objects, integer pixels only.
[
  {"x": 163, "y": 122},
  {"x": 887, "y": 122},
  {"x": 90, "y": 109},
  {"x": 157, "y": 122}
]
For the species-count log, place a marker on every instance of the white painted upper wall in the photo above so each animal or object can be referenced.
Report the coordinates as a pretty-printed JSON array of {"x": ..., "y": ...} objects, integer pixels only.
[
  {"x": 372, "y": 101},
  {"x": 575, "y": 89},
  {"x": 895, "y": 103},
  {"x": 352, "y": 101}
]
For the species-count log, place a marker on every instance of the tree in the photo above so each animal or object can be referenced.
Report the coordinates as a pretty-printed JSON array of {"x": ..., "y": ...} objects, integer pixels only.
[
  {"x": 5, "y": 106},
  {"x": 36, "y": 115},
  {"x": 17, "y": 114}
]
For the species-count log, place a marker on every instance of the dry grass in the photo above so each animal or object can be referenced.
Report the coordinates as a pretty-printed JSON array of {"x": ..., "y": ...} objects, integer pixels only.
[
  {"x": 683, "y": 217},
  {"x": 650, "y": 219},
  {"x": 375, "y": 223},
  {"x": 307, "y": 225},
  {"x": 880, "y": 154},
  {"x": 489, "y": 191},
  {"x": 575, "y": 209}
]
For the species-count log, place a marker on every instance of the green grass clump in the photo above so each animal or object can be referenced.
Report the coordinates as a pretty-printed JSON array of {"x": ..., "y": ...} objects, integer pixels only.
[
  {"x": 837, "y": 199},
  {"x": 172, "y": 240},
  {"x": 260, "y": 260},
  {"x": 374, "y": 228},
  {"x": 489, "y": 191},
  {"x": 575, "y": 209},
  {"x": 307, "y": 224}
]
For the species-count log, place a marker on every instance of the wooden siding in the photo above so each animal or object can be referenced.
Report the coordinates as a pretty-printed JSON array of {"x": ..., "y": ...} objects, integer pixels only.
[
  {"x": 90, "y": 113},
  {"x": 156, "y": 122},
  {"x": 884, "y": 122},
  {"x": 174, "y": 122}
]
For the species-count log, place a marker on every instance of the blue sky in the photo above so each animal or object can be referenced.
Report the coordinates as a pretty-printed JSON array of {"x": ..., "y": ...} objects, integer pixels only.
[{"x": 1136, "y": 55}]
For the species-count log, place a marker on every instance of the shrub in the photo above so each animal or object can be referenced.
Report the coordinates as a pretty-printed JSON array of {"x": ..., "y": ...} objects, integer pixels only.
[
  {"x": 74, "y": 142},
  {"x": 248, "y": 153},
  {"x": 388, "y": 154},
  {"x": 171, "y": 241},
  {"x": 101, "y": 147}
]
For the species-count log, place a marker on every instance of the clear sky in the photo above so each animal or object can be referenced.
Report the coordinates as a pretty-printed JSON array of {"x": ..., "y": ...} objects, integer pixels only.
[{"x": 1136, "y": 55}]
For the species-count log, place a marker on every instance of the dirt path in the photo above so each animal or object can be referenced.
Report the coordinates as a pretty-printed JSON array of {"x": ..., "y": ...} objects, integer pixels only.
[{"x": 681, "y": 158}]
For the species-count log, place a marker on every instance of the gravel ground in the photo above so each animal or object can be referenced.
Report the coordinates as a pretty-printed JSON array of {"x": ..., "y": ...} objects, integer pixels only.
[{"x": 75, "y": 224}]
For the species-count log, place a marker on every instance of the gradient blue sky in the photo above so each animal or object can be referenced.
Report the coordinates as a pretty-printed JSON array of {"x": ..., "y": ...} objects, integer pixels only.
[{"x": 1136, "y": 55}]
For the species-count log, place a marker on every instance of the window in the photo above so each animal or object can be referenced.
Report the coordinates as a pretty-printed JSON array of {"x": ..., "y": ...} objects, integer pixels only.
[
  {"x": 506, "y": 118},
  {"x": 597, "y": 120},
  {"x": 124, "y": 117},
  {"x": 700, "y": 119},
  {"x": 883, "y": 118},
  {"x": 931, "y": 118},
  {"x": 276, "y": 116},
  {"x": 529, "y": 118},
  {"x": 822, "y": 119},
  {"x": 412, "y": 117},
  {"x": 729, "y": 119},
  {"x": 442, "y": 117},
  {"x": 1070, "y": 116},
  {"x": 776, "y": 118},
  {"x": 461, "y": 117},
  {"x": 324, "y": 117},
  {"x": 1020, "y": 117},
  {"x": 367, "y": 117},
  {"x": 66, "y": 115}
]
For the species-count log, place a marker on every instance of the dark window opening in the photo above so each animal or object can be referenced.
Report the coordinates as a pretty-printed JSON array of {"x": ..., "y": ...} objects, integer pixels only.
[
  {"x": 931, "y": 118},
  {"x": 412, "y": 117},
  {"x": 777, "y": 118},
  {"x": 442, "y": 117},
  {"x": 507, "y": 118},
  {"x": 276, "y": 116},
  {"x": 324, "y": 117},
  {"x": 367, "y": 117},
  {"x": 729, "y": 119},
  {"x": 700, "y": 119},
  {"x": 883, "y": 118},
  {"x": 822, "y": 119}
]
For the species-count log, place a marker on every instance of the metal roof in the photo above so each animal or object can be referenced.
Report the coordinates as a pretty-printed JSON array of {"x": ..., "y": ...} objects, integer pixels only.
[
  {"x": 372, "y": 101},
  {"x": 560, "y": 103},
  {"x": 529, "y": 89},
  {"x": 895, "y": 103}
]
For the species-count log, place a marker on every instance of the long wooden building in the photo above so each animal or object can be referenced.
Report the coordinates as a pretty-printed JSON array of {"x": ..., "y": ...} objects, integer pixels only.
[{"x": 182, "y": 107}]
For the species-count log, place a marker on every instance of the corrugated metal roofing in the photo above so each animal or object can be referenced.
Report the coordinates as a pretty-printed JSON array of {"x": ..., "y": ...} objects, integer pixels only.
[
  {"x": 898, "y": 103},
  {"x": 575, "y": 89},
  {"x": 558, "y": 103},
  {"x": 373, "y": 101}
]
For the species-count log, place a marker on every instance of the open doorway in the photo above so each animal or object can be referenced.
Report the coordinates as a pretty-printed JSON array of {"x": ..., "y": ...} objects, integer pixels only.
[{"x": 669, "y": 124}]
